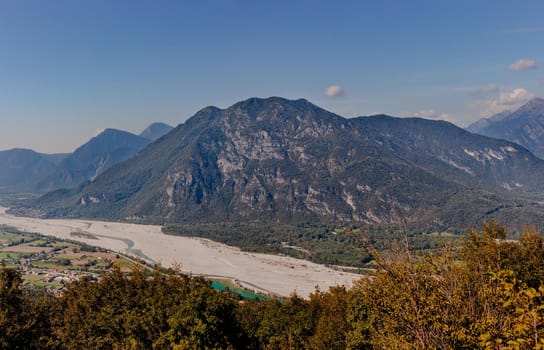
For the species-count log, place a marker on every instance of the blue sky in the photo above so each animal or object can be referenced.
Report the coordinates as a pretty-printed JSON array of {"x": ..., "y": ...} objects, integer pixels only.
[{"x": 70, "y": 68}]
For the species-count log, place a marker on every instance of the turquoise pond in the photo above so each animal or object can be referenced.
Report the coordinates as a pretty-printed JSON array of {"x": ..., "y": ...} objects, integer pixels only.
[{"x": 217, "y": 285}]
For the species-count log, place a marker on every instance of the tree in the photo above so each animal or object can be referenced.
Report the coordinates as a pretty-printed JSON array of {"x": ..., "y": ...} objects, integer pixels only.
[
  {"x": 145, "y": 311},
  {"x": 487, "y": 296},
  {"x": 22, "y": 325},
  {"x": 329, "y": 314}
]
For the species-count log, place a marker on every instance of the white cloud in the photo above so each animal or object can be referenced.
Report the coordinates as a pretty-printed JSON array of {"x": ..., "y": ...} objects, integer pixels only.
[
  {"x": 509, "y": 100},
  {"x": 516, "y": 96},
  {"x": 98, "y": 131},
  {"x": 485, "y": 90},
  {"x": 334, "y": 91},
  {"x": 522, "y": 64},
  {"x": 432, "y": 114}
]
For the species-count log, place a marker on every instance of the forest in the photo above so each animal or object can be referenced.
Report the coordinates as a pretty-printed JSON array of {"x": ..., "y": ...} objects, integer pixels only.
[
  {"x": 482, "y": 292},
  {"x": 322, "y": 243}
]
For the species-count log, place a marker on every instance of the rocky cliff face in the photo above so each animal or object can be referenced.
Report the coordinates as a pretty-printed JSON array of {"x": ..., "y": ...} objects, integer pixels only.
[{"x": 288, "y": 161}]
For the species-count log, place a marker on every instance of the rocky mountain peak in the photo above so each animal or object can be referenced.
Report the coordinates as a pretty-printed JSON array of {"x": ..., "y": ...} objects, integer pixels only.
[
  {"x": 281, "y": 160},
  {"x": 256, "y": 103},
  {"x": 280, "y": 114}
]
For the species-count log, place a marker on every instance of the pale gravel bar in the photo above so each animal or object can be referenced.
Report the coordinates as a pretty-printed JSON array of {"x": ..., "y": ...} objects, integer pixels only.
[{"x": 278, "y": 274}]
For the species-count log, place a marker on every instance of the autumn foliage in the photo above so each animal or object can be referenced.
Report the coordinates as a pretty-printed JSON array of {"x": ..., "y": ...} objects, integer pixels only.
[{"x": 486, "y": 293}]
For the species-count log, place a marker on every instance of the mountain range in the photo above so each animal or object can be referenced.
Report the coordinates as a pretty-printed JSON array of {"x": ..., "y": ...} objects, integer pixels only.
[
  {"x": 524, "y": 126},
  {"x": 284, "y": 161},
  {"x": 29, "y": 171},
  {"x": 21, "y": 167}
]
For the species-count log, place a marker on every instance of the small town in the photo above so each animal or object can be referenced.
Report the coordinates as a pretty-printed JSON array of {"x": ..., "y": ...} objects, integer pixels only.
[{"x": 51, "y": 263}]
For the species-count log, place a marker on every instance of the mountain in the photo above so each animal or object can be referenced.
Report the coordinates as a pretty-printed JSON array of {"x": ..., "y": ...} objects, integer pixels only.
[
  {"x": 483, "y": 123},
  {"x": 156, "y": 131},
  {"x": 29, "y": 171},
  {"x": 525, "y": 126},
  {"x": 89, "y": 160},
  {"x": 20, "y": 167},
  {"x": 55, "y": 158},
  {"x": 277, "y": 160}
]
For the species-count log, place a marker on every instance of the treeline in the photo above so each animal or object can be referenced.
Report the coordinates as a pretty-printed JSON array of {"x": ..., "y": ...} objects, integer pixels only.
[
  {"x": 487, "y": 293},
  {"x": 318, "y": 242}
]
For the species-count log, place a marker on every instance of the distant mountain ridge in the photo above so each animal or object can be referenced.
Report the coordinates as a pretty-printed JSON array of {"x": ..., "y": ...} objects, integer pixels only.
[
  {"x": 20, "y": 167},
  {"x": 91, "y": 159},
  {"x": 280, "y": 160},
  {"x": 29, "y": 171},
  {"x": 524, "y": 126},
  {"x": 156, "y": 131},
  {"x": 483, "y": 123}
]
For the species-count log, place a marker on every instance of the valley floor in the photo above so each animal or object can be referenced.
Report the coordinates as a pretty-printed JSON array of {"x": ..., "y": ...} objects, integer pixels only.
[{"x": 278, "y": 275}]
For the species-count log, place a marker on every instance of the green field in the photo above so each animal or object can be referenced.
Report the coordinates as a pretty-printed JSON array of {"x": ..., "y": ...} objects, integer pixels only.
[
  {"x": 51, "y": 264},
  {"x": 44, "y": 284},
  {"x": 6, "y": 255},
  {"x": 124, "y": 265},
  {"x": 14, "y": 237},
  {"x": 36, "y": 281},
  {"x": 40, "y": 242},
  {"x": 6, "y": 237}
]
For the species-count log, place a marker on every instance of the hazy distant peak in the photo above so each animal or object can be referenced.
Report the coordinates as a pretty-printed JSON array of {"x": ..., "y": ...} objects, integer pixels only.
[
  {"x": 536, "y": 100},
  {"x": 156, "y": 131},
  {"x": 20, "y": 150},
  {"x": 111, "y": 131},
  {"x": 523, "y": 126},
  {"x": 500, "y": 115},
  {"x": 95, "y": 156},
  {"x": 534, "y": 105},
  {"x": 534, "y": 108},
  {"x": 483, "y": 123}
]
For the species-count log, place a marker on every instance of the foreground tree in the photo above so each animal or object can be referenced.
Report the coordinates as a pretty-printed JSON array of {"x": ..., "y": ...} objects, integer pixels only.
[
  {"x": 483, "y": 296},
  {"x": 12, "y": 324},
  {"x": 145, "y": 312},
  {"x": 486, "y": 293},
  {"x": 24, "y": 317}
]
